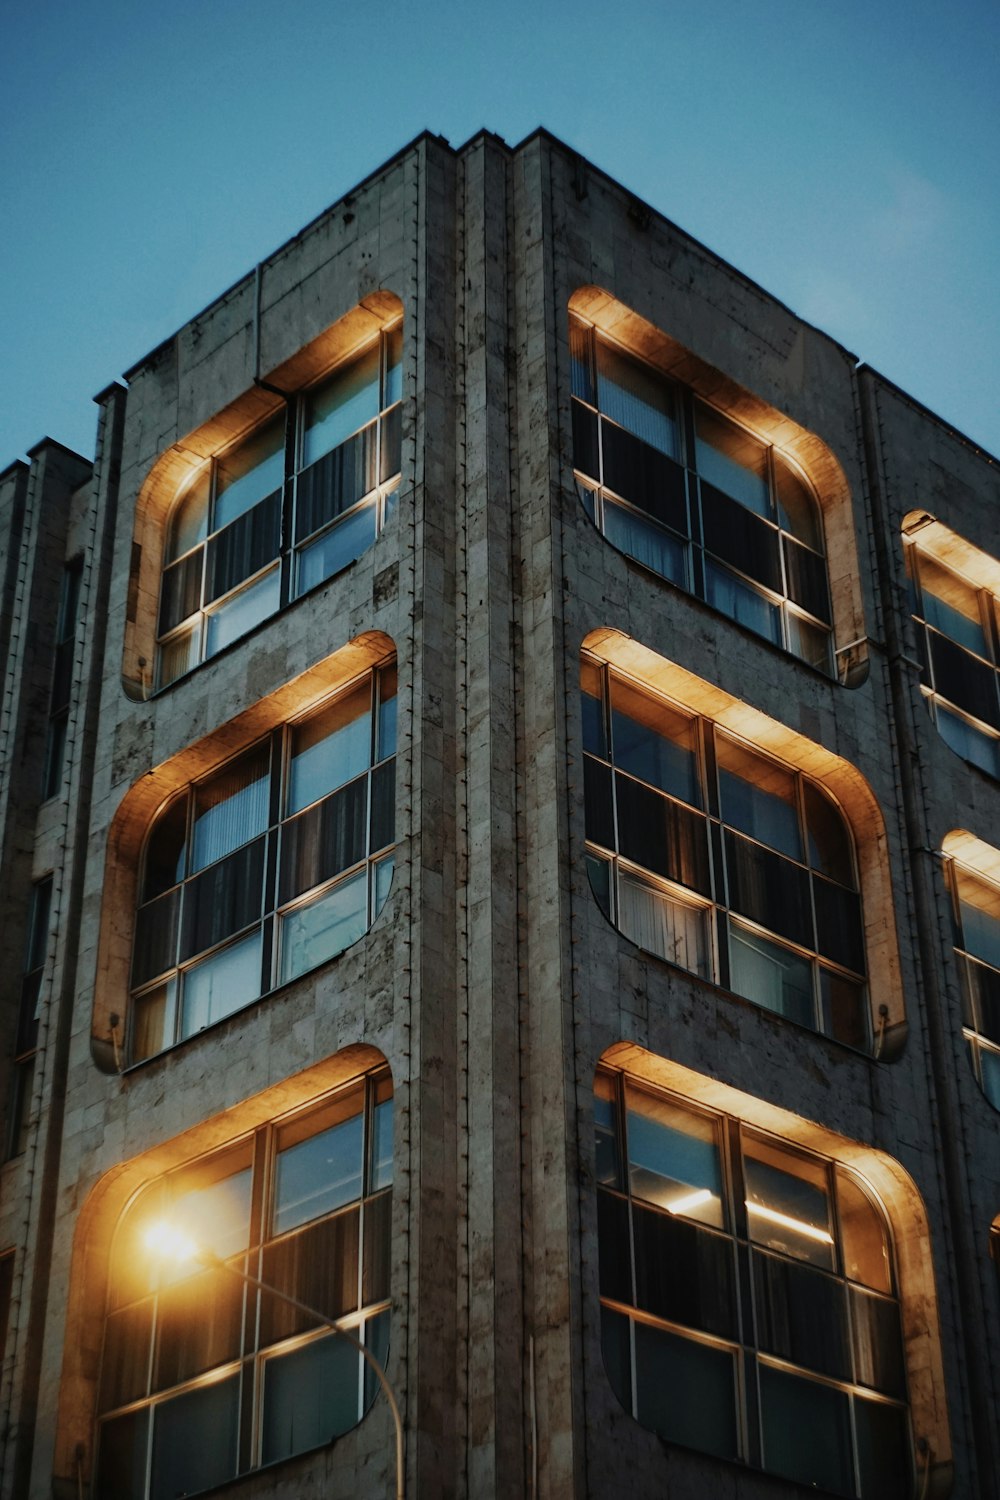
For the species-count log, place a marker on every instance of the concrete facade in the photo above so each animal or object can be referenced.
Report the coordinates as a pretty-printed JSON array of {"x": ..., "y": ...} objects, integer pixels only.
[{"x": 490, "y": 982}]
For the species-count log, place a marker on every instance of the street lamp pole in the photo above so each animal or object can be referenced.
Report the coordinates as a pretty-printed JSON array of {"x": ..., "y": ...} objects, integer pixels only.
[{"x": 207, "y": 1258}]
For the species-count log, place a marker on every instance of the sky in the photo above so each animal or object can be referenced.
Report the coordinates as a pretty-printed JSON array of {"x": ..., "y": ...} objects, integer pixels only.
[{"x": 845, "y": 154}]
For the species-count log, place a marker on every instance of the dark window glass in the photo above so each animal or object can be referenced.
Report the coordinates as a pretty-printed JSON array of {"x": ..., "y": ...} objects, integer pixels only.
[
  {"x": 801, "y": 1315},
  {"x": 741, "y": 539},
  {"x": 686, "y": 1391},
  {"x": 806, "y": 1431},
  {"x": 965, "y": 680},
  {"x": 644, "y": 476}
]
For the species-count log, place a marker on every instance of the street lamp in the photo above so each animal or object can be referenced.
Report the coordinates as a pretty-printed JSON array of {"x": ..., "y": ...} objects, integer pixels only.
[{"x": 171, "y": 1243}]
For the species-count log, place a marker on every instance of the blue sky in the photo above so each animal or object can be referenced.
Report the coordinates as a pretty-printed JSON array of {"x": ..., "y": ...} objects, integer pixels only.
[{"x": 845, "y": 155}]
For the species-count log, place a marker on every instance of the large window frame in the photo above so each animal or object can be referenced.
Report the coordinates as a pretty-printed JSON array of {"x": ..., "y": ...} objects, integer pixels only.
[
  {"x": 204, "y": 1378},
  {"x": 713, "y": 855},
  {"x": 749, "y": 1297},
  {"x": 284, "y": 508},
  {"x": 958, "y": 641},
  {"x": 699, "y": 499},
  {"x": 271, "y": 864}
]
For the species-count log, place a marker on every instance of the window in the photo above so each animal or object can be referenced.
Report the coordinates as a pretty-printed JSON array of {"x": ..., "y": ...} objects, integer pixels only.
[
  {"x": 748, "y": 1295},
  {"x": 720, "y": 859},
  {"x": 676, "y": 485},
  {"x": 6, "y": 1288},
  {"x": 62, "y": 677},
  {"x": 976, "y": 902},
  {"x": 269, "y": 866},
  {"x": 203, "y": 1378},
  {"x": 28, "y": 1012},
  {"x": 285, "y": 508},
  {"x": 957, "y": 622}
]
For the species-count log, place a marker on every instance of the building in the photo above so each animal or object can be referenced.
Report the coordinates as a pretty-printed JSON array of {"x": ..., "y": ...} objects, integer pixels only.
[{"x": 500, "y": 810}]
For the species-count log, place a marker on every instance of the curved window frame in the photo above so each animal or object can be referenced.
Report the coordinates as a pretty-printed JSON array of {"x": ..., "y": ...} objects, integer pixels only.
[
  {"x": 707, "y": 875},
  {"x": 243, "y": 539},
  {"x": 756, "y": 1282},
  {"x": 955, "y": 604},
  {"x": 680, "y": 505},
  {"x": 235, "y": 919},
  {"x": 303, "y": 1202}
]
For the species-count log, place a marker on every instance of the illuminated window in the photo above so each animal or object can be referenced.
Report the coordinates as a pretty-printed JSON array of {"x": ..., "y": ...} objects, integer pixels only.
[
  {"x": 748, "y": 1296},
  {"x": 698, "y": 499},
  {"x": 720, "y": 859},
  {"x": 287, "y": 507},
  {"x": 977, "y": 947},
  {"x": 957, "y": 620},
  {"x": 28, "y": 1015},
  {"x": 203, "y": 1378},
  {"x": 274, "y": 863}
]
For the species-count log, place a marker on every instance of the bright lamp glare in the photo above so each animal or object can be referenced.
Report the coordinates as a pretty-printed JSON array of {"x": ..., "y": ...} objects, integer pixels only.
[
  {"x": 689, "y": 1201},
  {"x": 169, "y": 1243},
  {"x": 811, "y": 1231}
]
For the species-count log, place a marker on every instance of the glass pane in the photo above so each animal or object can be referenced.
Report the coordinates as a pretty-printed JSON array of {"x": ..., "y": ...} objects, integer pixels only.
[
  {"x": 805, "y": 579},
  {"x": 382, "y": 877},
  {"x": 231, "y": 807},
  {"x": 122, "y": 1456},
  {"x": 381, "y": 1141},
  {"x": 884, "y": 1451},
  {"x": 806, "y": 1431},
  {"x": 392, "y": 344},
  {"x": 674, "y": 1157},
  {"x": 125, "y": 1362},
  {"x": 683, "y": 1273},
  {"x": 337, "y": 548},
  {"x": 322, "y": 1172},
  {"x": 242, "y": 611},
  {"x": 189, "y": 517},
  {"x": 831, "y": 848},
  {"x": 979, "y": 912},
  {"x": 671, "y": 929},
  {"x": 199, "y": 1326},
  {"x": 178, "y": 655},
  {"x": 376, "y": 1217},
  {"x": 180, "y": 591},
  {"x": 194, "y": 1440},
  {"x": 636, "y": 397},
  {"x": 788, "y": 1203},
  {"x": 648, "y": 543},
  {"x": 770, "y": 975},
  {"x": 616, "y": 1348},
  {"x": 330, "y": 748},
  {"x": 318, "y": 1267},
  {"x": 376, "y": 1338},
  {"x": 662, "y": 836},
  {"x": 324, "y": 927},
  {"x": 592, "y": 708},
  {"x": 769, "y": 889},
  {"x": 951, "y": 605},
  {"x": 808, "y": 642},
  {"x": 247, "y": 473},
  {"x": 154, "y": 949},
  {"x": 221, "y": 984},
  {"x": 325, "y": 840},
  {"x": 223, "y": 900},
  {"x": 385, "y": 744},
  {"x": 989, "y": 1073},
  {"x": 742, "y": 603},
  {"x": 154, "y": 1018},
  {"x": 586, "y": 447},
  {"x": 968, "y": 741},
  {"x": 243, "y": 548},
  {"x": 878, "y": 1342},
  {"x": 839, "y": 927},
  {"x": 686, "y": 1391},
  {"x": 581, "y": 371},
  {"x": 599, "y": 876},
  {"x": 645, "y": 477},
  {"x": 864, "y": 1236},
  {"x": 652, "y": 741},
  {"x": 758, "y": 797},
  {"x": 731, "y": 459},
  {"x": 165, "y": 847},
  {"x": 216, "y": 1215},
  {"x": 844, "y": 1010},
  {"x": 982, "y": 990},
  {"x": 341, "y": 405},
  {"x": 311, "y": 1396},
  {"x": 802, "y": 1316},
  {"x": 797, "y": 508},
  {"x": 606, "y": 1129},
  {"x": 736, "y": 536}
]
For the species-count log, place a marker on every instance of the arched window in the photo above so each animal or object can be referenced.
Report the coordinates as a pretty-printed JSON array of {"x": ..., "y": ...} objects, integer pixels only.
[
  {"x": 699, "y": 499},
  {"x": 749, "y": 1305},
  {"x": 204, "y": 1378},
  {"x": 954, "y": 591},
  {"x": 976, "y": 906},
  {"x": 719, "y": 858},
  {"x": 283, "y": 509},
  {"x": 273, "y": 863}
]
